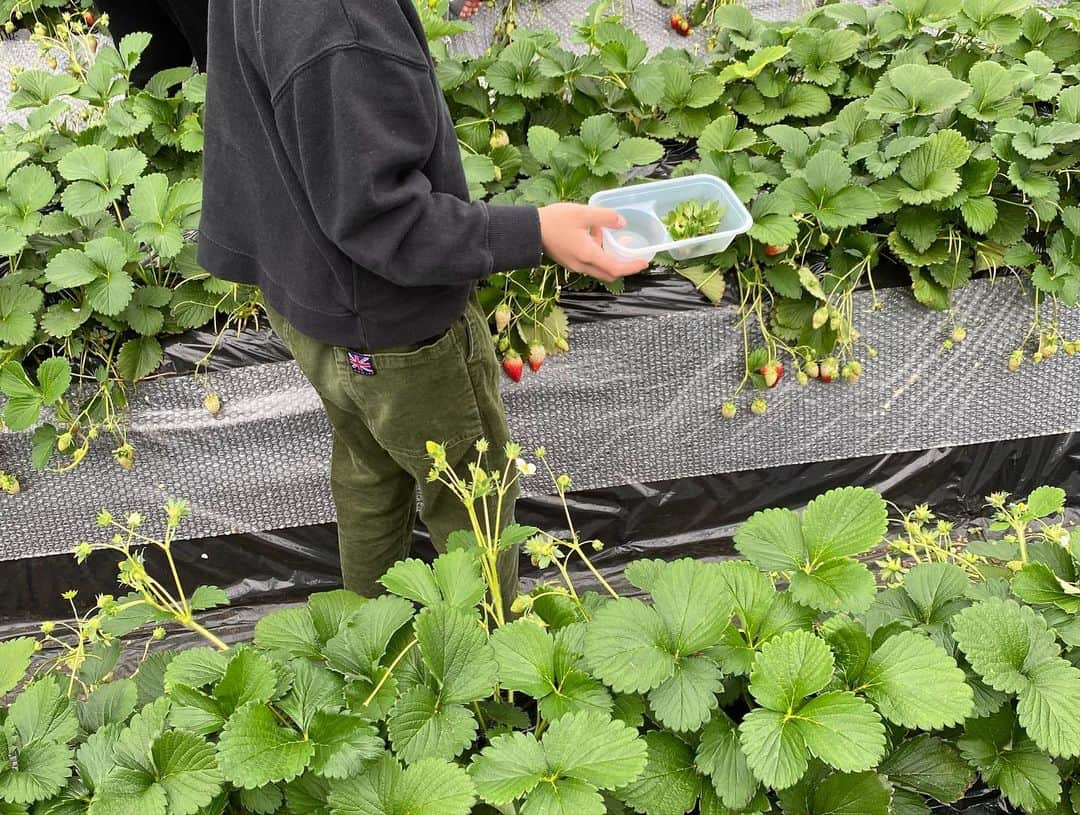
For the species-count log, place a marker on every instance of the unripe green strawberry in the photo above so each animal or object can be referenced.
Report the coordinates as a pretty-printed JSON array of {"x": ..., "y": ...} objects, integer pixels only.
[
  {"x": 499, "y": 138},
  {"x": 504, "y": 344},
  {"x": 502, "y": 317},
  {"x": 823, "y": 239},
  {"x": 821, "y": 316},
  {"x": 728, "y": 410},
  {"x": 851, "y": 372},
  {"x": 1016, "y": 359},
  {"x": 125, "y": 456},
  {"x": 812, "y": 370},
  {"x": 802, "y": 378},
  {"x": 9, "y": 484},
  {"x": 562, "y": 344},
  {"x": 959, "y": 334},
  {"x": 63, "y": 442},
  {"x": 758, "y": 407},
  {"x": 212, "y": 403}
]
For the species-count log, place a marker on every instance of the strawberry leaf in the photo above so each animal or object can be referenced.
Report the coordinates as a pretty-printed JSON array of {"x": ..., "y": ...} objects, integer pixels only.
[
  {"x": 669, "y": 782},
  {"x": 929, "y": 766},
  {"x": 421, "y": 727},
  {"x": 431, "y": 786},
  {"x": 14, "y": 662},
  {"x": 456, "y": 652},
  {"x": 255, "y": 750},
  {"x": 916, "y": 684}
]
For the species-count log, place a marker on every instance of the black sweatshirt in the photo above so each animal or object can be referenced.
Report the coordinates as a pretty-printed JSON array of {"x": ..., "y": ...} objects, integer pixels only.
[{"x": 333, "y": 177}]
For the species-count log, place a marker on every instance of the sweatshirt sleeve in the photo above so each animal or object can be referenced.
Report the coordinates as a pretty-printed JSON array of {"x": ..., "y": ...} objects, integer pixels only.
[{"x": 359, "y": 128}]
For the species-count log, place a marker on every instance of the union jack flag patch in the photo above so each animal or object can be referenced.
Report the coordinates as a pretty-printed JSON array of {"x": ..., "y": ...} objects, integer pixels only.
[{"x": 361, "y": 363}]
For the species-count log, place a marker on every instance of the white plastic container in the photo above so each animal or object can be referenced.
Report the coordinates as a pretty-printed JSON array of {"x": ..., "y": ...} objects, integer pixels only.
[{"x": 645, "y": 205}]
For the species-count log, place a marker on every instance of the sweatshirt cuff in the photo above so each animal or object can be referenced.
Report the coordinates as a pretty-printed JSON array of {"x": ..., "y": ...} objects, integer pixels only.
[{"x": 514, "y": 237}]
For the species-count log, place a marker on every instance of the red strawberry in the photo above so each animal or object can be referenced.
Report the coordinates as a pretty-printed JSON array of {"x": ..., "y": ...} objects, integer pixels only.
[
  {"x": 537, "y": 355},
  {"x": 513, "y": 366},
  {"x": 773, "y": 251},
  {"x": 684, "y": 28},
  {"x": 88, "y": 18},
  {"x": 674, "y": 22}
]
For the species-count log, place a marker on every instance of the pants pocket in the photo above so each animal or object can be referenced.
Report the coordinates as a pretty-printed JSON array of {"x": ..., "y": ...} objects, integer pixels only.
[{"x": 417, "y": 396}]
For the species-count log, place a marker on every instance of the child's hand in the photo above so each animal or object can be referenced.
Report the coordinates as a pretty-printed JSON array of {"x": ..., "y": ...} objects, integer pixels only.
[{"x": 571, "y": 237}]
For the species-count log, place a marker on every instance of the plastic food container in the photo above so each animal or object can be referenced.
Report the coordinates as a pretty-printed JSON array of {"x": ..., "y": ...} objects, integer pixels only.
[{"x": 645, "y": 205}]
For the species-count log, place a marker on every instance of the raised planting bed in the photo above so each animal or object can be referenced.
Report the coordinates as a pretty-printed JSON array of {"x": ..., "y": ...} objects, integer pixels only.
[
  {"x": 866, "y": 142},
  {"x": 790, "y": 678}
]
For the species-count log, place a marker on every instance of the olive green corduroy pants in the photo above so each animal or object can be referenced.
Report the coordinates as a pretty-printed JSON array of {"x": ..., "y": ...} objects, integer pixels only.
[{"x": 445, "y": 391}]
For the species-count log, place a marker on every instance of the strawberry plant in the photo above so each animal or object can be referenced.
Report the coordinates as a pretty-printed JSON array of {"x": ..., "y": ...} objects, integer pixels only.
[
  {"x": 913, "y": 138},
  {"x": 29, "y": 13},
  {"x": 791, "y": 681},
  {"x": 100, "y": 192},
  {"x": 930, "y": 143}
]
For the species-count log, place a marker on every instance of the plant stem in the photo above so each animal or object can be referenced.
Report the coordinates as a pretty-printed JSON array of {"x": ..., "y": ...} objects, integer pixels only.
[{"x": 390, "y": 670}]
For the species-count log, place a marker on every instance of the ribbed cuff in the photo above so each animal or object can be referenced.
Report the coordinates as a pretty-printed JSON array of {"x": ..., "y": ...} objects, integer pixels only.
[{"x": 514, "y": 237}]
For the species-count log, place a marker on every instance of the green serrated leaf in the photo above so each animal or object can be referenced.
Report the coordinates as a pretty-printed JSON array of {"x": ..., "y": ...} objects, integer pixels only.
[
  {"x": 249, "y": 678},
  {"x": 421, "y": 727},
  {"x": 431, "y": 787},
  {"x": 930, "y": 766},
  {"x": 291, "y": 631},
  {"x": 43, "y": 712},
  {"x": 669, "y": 783},
  {"x": 15, "y": 657},
  {"x": 343, "y": 743},
  {"x": 916, "y": 684},
  {"x": 720, "y": 756},
  {"x": 255, "y": 750},
  {"x": 455, "y": 650},
  {"x": 112, "y": 703},
  {"x": 1009, "y": 761}
]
